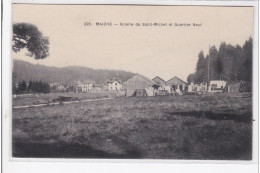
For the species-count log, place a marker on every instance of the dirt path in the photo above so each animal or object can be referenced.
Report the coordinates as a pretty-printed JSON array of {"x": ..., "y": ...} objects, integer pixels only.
[{"x": 51, "y": 104}]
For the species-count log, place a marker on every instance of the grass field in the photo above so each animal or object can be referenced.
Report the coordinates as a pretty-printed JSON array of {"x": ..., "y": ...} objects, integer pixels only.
[
  {"x": 163, "y": 127},
  {"x": 30, "y": 99}
]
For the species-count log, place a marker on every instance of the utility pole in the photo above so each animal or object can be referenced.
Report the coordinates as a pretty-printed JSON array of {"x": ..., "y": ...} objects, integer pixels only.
[{"x": 209, "y": 64}]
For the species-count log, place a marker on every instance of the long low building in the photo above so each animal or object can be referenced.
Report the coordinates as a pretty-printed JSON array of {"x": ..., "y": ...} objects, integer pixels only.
[
  {"x": 138, "y": 83},
  {"x": 217, "y": 86}
]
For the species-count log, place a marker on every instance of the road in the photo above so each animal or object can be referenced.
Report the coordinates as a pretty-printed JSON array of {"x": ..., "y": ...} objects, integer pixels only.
[{"x": 51, "y": 104}]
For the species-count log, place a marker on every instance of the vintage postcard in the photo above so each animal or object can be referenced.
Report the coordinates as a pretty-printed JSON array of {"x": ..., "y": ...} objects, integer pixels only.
[{"x": 132, "y": 82}]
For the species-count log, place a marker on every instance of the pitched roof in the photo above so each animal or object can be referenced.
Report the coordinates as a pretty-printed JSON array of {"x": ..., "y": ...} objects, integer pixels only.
[
  {"x": 159, "y": 78},
  {"x": 115, "y": 79},
  {"x": 175, "y": 77},
  {"x": 146, "y": 78}
]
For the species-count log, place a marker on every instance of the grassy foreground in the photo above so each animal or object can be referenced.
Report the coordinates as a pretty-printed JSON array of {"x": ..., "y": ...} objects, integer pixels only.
[{"x": 172, "y": 127}]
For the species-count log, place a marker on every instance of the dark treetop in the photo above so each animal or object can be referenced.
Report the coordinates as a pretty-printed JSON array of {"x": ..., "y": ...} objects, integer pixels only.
[{"x": 28, "y": 36}]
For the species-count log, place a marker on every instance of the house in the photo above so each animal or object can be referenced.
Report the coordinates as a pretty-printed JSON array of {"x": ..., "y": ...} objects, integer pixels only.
[
  {"x": 237, "y": 87},
  {"x": 176, "y": 85},
  {"x": 160, "y": 82},
  {"x": 137, "y": 84},
  {"x": 216, "y": 86},
  {"x": 87, "y": 86},
  {"x": 115, "y": 84}
]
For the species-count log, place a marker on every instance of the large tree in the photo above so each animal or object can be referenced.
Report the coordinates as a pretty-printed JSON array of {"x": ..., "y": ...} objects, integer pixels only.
[
  {"x": 28, "y": 36},
  {"x": 247, "y": 53}
]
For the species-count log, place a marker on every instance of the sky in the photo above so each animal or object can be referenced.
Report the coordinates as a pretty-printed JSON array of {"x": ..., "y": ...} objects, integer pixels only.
[{"x": 164, "y": 51}]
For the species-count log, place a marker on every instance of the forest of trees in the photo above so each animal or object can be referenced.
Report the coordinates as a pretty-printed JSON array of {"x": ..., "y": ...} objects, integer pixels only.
[
  {"x": 27, "y": 71},
  {"x": 232, "y": 63},
  {"x": 32, "y": 87}
]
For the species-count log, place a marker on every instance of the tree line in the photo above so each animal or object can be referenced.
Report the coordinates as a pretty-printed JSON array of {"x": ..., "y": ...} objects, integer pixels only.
[
  {"x": 32, "y": 87},
  {"x": 232, "y": 63},
  {"x": 64, "y": 75}
]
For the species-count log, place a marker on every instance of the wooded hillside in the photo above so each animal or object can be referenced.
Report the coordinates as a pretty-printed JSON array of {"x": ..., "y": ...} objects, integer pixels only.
[{"x": 27, "y": 71}]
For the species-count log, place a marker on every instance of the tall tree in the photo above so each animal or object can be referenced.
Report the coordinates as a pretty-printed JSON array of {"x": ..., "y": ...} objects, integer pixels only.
[
  {"x": 236, "y": 61},
  {"x": 201, "y": 68},
  {"x": 247, "y": 52},
  {"x": 201, "y": 61},
  {"x": 22, "y": 87},
  {"x": 213, "y": 55},
  {"x": 13, "y": 83},
  {"x": 218, "y": 67},
  {"x": 28, "y": 36}
]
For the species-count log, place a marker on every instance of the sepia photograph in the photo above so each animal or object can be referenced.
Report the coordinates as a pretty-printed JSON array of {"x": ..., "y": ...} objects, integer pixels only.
[{"x": 132, "y": 82}]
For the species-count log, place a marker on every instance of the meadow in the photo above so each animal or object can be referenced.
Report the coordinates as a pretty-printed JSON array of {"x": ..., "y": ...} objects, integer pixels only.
[
  {"x": 31, "y": 99},
  {"x": 162, "y": 127}
]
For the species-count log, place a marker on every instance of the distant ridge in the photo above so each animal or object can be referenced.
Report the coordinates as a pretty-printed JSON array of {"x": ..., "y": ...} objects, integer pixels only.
[{"x": 28, "y": 71}]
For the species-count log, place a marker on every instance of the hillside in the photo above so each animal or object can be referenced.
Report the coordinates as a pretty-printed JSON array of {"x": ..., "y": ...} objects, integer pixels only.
[{"x": 27, "y": 71}]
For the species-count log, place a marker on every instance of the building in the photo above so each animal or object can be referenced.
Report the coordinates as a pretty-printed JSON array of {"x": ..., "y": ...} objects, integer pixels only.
[
  {"x": 61, "y": 88},
  {"x": 201, "y": 88},
  {"x": 115, "y": 84},
  {"x": 137, "y": 84},
  {"x": 140, "y": 93},
  {"x": 234, "y": 87},
  {"x": 191, "y": 88},
  {"x": 216, "y": 86},
  {"x": 55, "y": 85},
  {"x": 176, "y": 85},
  {"x": 87, "y": 86},
  {"x": 160, "y": 82},
  {"x": 237, "y": 87}
]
